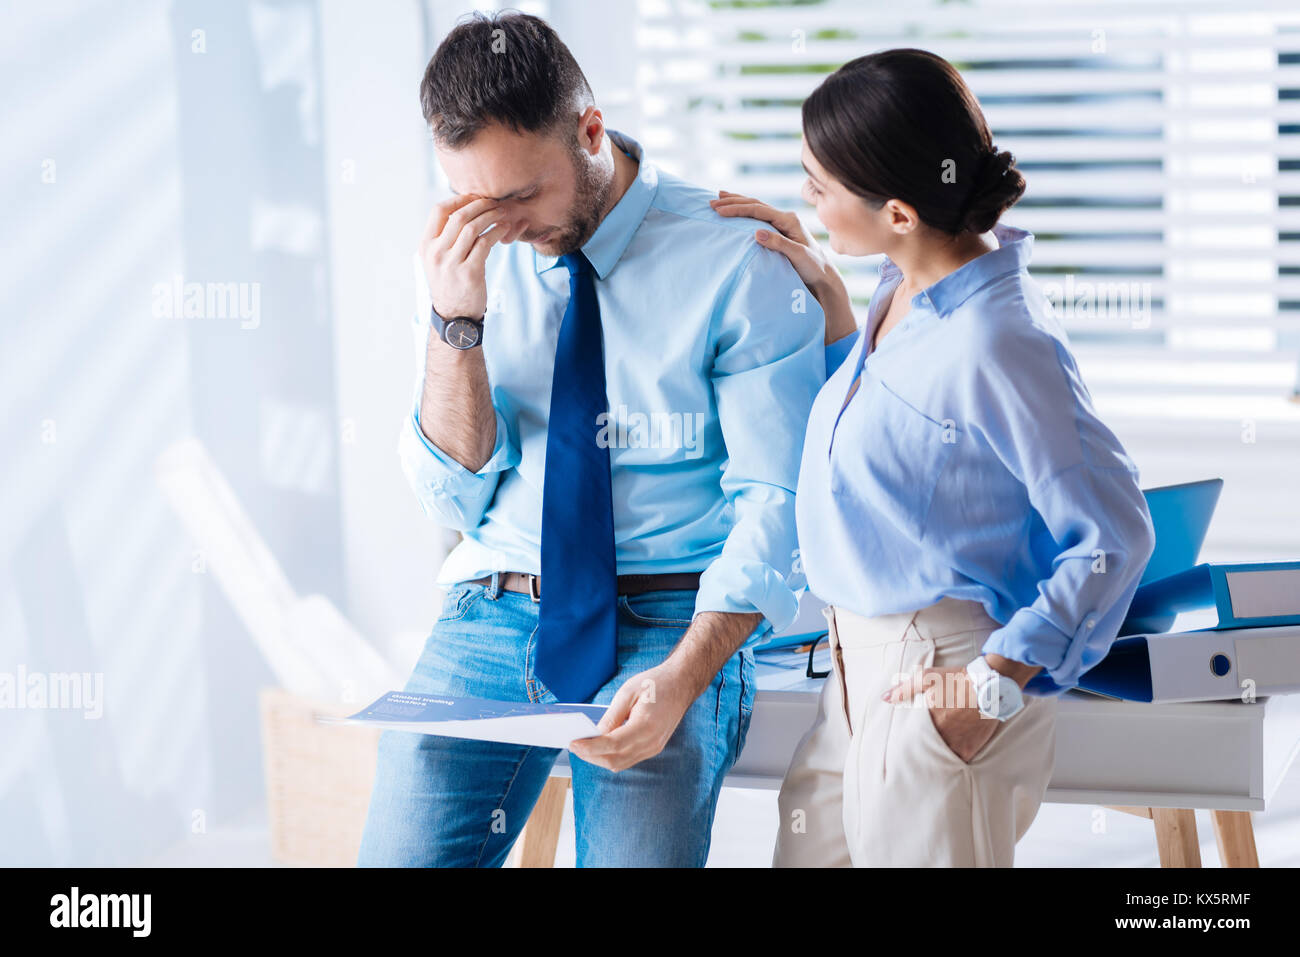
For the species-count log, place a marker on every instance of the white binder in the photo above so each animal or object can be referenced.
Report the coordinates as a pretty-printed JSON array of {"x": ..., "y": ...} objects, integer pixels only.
[{"x": 1219, "y": 665}]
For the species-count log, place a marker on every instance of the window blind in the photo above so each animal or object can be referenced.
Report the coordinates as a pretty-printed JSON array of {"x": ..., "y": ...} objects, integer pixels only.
[{"x": 1160, "y": 142}]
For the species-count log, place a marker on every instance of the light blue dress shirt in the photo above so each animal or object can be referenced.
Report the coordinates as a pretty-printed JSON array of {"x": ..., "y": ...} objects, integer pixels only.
[
  {"x": 970, "y": 463},
  {"x": 713, "y": 357}
]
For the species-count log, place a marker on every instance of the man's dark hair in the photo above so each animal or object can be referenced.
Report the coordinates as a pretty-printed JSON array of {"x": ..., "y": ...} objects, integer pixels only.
[{"x": 508, "y": 68}]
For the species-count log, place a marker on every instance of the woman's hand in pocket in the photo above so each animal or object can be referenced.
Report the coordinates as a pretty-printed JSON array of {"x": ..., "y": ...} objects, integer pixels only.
[
  {"x": 950, "y": 697},
  {"x": 790, "y": 239}
]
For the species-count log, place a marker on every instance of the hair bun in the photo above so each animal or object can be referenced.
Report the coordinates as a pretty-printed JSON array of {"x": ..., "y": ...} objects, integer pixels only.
[{"x": 997, "y": 187}]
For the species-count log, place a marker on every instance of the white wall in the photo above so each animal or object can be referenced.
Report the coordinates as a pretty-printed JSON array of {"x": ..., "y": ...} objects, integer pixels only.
[{"x": 379, "y": 195}]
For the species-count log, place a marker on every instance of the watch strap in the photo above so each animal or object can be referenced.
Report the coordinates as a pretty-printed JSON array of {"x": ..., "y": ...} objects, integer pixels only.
[
  {"x": 443, "y": 324},
  {"x": 983, "y": 675}
]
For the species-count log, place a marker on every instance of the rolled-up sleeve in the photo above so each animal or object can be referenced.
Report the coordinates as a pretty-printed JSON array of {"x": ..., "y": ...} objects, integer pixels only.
[
  {"x": 769, "y": 363},
  {"x": 839, "y": 350},
  {"x": 1082, "y": 484},
  {"x": 449, "y": 493}
]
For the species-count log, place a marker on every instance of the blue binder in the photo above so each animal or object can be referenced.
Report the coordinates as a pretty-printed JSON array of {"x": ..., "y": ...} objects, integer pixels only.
[
  {"x": 1210, "y": 665},
  {"x": 1180, "y": 517},
  {"x": 1243, "y": 595},
  {"x": 1125, "y": 672},
  {"x": 1255, "y": 643}
]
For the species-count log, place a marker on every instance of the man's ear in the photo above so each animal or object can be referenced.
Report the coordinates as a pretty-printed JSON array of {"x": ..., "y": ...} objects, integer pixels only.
[{"x": 591, "y": 130}]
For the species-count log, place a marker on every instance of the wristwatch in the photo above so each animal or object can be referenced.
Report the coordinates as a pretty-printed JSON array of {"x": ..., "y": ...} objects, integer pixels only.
[
  {"x": 996, "y": 695},
  {"x": 459, "y": 332}
]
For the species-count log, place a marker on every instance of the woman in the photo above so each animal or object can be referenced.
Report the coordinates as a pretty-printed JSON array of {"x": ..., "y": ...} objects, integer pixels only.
[{"x": 975, "y": 529}]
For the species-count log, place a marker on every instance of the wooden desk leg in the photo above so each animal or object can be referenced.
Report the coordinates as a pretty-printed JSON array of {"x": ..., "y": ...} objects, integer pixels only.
[
  {"x": 1176, "y": 837},
  {"x": 1235, "y": 834},
  {"x": 541, "y": 834}
]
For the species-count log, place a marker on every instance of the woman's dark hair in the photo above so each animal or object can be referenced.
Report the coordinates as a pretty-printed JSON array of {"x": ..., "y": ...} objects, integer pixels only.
[
  {"x": 509, "y": 68},
  {"x": 902, "y": 124}
]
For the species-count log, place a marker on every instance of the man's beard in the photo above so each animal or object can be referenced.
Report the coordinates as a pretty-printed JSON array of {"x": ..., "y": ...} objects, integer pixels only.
[{"x": 591, "y": 194}]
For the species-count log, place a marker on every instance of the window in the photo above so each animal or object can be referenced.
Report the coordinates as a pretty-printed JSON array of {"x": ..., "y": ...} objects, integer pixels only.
[{"x": 1161, "y": 145}]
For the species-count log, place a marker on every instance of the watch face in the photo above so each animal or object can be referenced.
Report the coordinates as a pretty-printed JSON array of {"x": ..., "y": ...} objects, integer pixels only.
[
  {"x": 462, "y": 334},
  {"x": 1001, "y": 698},
  {"x": 988, "y": 699}
]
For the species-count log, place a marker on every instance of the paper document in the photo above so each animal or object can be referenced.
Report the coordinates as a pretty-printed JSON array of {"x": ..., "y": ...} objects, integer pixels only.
[{"x": 481, "y": 719}]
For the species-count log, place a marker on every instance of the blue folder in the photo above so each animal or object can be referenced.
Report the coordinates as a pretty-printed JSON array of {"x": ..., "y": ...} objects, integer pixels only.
[
  {"x": 1125, "y": 672},
  {"x": 1146, "y": 664},
  {"x": 1180, "y": 516},
  {"x": 1213, "y": 664},
  {"x": 1208, "y": 587}
]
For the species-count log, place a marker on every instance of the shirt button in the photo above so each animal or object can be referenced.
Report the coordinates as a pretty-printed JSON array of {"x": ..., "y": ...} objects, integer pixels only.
[{"x": 1090, "y": 623}]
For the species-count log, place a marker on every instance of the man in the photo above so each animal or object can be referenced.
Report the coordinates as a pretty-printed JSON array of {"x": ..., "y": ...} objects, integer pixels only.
[{"x": 615, "y": 386}]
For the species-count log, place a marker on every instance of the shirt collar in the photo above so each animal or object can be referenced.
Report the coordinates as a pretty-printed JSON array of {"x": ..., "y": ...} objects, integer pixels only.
[
  {"x": 1012, "y": 255},
  {"x": 615, "y": 231}
]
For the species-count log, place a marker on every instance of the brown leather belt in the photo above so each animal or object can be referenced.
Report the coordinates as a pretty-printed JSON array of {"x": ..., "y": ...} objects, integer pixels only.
[{"x": 531, "y": 585}]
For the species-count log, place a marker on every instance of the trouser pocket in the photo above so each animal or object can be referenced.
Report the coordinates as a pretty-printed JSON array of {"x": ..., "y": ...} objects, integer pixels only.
[
  {"x": 837, "y": 663},
  {"x": 903, "y": 659},
  {"x": 870, "y": 666}
]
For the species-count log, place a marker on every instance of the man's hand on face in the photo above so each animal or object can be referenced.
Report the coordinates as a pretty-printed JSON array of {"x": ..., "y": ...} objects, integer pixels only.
[
  {"x": 454, "y": 250},
  {"x": 640, "y": 720}
]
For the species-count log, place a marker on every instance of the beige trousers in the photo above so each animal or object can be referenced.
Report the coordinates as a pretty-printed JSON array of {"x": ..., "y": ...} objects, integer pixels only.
[{"x": 875, "y": 784}]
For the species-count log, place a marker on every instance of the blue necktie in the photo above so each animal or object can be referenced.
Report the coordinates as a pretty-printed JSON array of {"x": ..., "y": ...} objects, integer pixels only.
[{"x": 577, "y": 636}]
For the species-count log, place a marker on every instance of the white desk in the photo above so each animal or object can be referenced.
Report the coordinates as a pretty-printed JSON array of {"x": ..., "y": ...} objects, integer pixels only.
[
  {"x": 1140, "y": 758},
  {"x": 1226, "y": 755}
]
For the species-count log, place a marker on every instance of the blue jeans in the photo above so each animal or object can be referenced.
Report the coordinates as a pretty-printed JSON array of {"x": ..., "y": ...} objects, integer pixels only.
[{"x": 451, "y": 802}]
